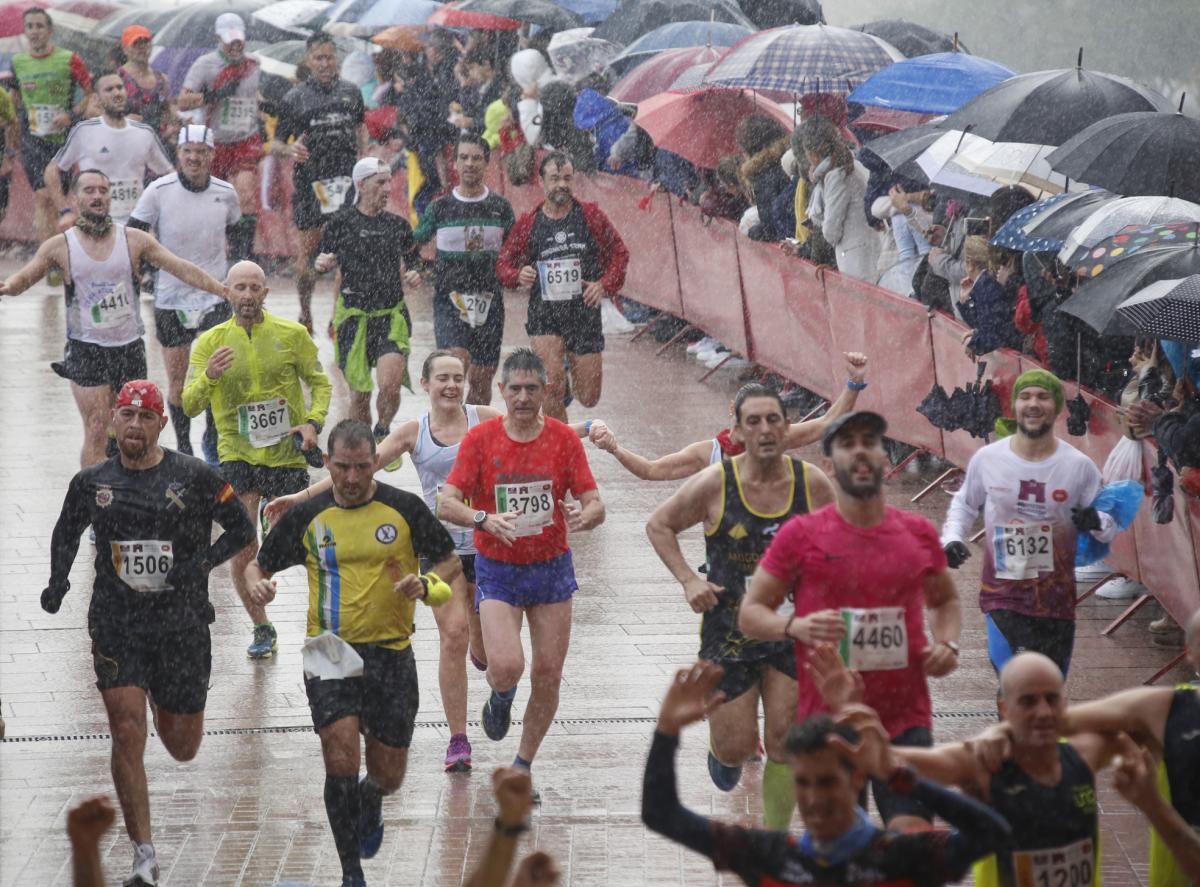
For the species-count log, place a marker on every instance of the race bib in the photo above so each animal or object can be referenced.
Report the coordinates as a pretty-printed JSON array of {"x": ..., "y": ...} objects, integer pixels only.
[
  {"x": 238, "y": 113},
  {"x": 329, "y": 658},
  {"x": 533, "y": 503},
  {"x": 875, "y": 639},
  {"x": 189, "y": 318},
  {"x": 112, "y": 308},
  {"x": 143, "y": 564},
  {"x": 1070, "y": 866},
  {"x": 1022, "y": 551},
  {"x": 124, "y": 194},
  {"x": 561, "y": 279},
  {"x": 265, "y": 423},
  {"x": 331, "y": 193},
  {"x": 42, "y": 120},
  {"x": 473, "y": 308}
]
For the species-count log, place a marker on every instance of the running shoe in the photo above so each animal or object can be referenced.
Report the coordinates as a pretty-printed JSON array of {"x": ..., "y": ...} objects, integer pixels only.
[
  {"x": 535, "y": 797},
  {"x": 458, "y": 754},
  {"x": 352, "y": 881},
  {"x": 497, "y": 715},
  {"x": 723, "y": 776},
  {"x": 703, "y": 344},
  {"x": 1120, "y": 588},
  {"x": 92, "y": 535},
  {"x": 264, "y": 644},
  {"x": 144, "y": 872},
  {"x": 370, "y": 823}
]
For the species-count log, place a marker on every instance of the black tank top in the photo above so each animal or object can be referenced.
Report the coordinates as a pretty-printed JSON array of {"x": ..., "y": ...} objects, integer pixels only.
[{"x": 1181, "y": 753}]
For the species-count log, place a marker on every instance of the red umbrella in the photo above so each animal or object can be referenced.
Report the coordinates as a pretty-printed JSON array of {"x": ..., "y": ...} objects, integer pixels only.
[
  {"x": 699, "y": 126},
  {"x": 657, "y": 74},
  {"x": 450, "y": 16}
]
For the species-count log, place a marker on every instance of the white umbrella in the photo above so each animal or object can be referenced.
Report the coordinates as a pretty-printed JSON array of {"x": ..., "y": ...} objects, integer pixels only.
[
  {"x": 291, "y": 16},
  {"x": 1112, "y": 217},
  {"x": 971, "y": 163},
  {"x": 576, "y": 54}
]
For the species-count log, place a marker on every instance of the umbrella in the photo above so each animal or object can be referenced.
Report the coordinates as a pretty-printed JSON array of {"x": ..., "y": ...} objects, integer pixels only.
[
  {"x": 804, "y": 59},
  {"x": 450, "y": 16},
  {"x": 699, "y": 126},
  {"x": 1049, "y": 107},
  {"x": 897, "y": 149},
  {"x": 633, "y": 18},
  {"x": 285, "y": 20},
  {"x": 1145, "y": 152},
  {"x": 659, "y": 73},
  {"x": 402, "y": 37},
  {"x": 677, "y": 35},
  {"x": 383, "y": 14},
  {"x": 1058, "y": 220},
  {"x": 886, "y": 120},
  {"x": 1117, "y": 216},
  {"x": 536, "y": 12},
  {"x": 192, "y": 27},
  {"x": 1012, "y": 234},
  {"x": 780, "y": 13},
  {"x": 931, "y": 84},
  {"x": 912, "y": 39},
  {"x": 935, "y": 407},
  {"x": 155, "y": 18},
  {"x": 576, "y": 55},
  {"x": 1012, "y": 163},
  {"x": 283, "y": 58},
  {"x": 591, "y": 11},
  {"x": 1169, "y": 309}
]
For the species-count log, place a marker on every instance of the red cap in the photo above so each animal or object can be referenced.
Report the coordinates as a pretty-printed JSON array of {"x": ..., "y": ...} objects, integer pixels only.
[
  {"x": 134, "y": 33},
  {"x": 141, "y": 393}
]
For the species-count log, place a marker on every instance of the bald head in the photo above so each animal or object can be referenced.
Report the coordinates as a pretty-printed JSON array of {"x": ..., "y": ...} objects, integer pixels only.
[
  {"x": 246, "y": 270},
  {"x": 1028, "y": 669},
  {"x": 247, "y": 284},
  {"x": 1032, "y": 701}
]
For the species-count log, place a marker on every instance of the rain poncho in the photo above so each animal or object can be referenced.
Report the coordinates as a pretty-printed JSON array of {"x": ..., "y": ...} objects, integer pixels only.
[{"x": 602, "y": 116}]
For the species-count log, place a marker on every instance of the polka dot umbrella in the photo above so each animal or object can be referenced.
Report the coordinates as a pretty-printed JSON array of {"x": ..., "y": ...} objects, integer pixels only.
[{"x": 1168, "y": 309}]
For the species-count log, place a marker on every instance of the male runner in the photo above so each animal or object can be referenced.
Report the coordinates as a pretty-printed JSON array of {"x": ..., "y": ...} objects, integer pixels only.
[
  {"x": 225, "y": 83},
  {"x": 360, "y": 543},
  {"x": 697, "y": 456},
  {"x": 53, "y": 85},
  {"x": 124, "y": 150},
  {"x": 1036, "y": 492},
  {"x": 830, "y": 764},
  {"x": 191, "y": 212},
  {"x": 516, "y": 472},
  {"x": 249, "y": 370},
  {"x": 325, "y": 117},
  {"x": 470, "y": 224},
  {"x": 371, "y": 246},
  {"x": 10, "y": 139},
  {"x": 152, "y": 511},
  {"x": 104, "y": 347},
  {"x": 861, "y": 573},
  {"x": 742, "y": 503},
  {"x": 570, "y": 256}
]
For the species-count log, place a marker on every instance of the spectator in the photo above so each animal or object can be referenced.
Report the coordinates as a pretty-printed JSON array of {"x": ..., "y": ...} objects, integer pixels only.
[
  {"x": 908, "y": 217},
  {"x": 604, "y": 119},
  {"x": 482, "y": 85},
  {"x": 531, "y": 72},
  {"x": 424, "y": 103},
  {"x": 839, "y": 184},
  {"x": 988, "y": 298},
  {"x": 763, "y": 142},
  {"x": 724, "y": 198},
  {"x": 559, "y": 132}
]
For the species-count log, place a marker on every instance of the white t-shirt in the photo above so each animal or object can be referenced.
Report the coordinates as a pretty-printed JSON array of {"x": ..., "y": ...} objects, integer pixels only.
[
  {"x": 125, "y": 155},
  {"x": 234, "y": 118},
  {"x": 191, "y": 224}
]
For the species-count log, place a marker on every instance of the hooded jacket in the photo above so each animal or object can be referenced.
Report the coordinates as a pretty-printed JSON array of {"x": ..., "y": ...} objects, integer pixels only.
[
  {"x": 771, "y": 190},
  {"x": 602, "y": 116}
]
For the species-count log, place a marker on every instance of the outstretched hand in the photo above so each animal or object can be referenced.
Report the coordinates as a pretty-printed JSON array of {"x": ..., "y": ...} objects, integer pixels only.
[
  {"x": 838, "y": 685},
  {"x": 692, "y": 696}
]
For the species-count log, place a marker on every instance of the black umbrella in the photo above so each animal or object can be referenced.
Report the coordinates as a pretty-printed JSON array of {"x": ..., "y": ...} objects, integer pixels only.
[
  {"x": 633, "y": 18},
  {"x": 934, "y": 407},
  {"x": 1049, "y": 107},
  {"x": 537, "y": 12},
  {"x": 1143, "y": 153},
  {"x": 896, "y": 149},
  {"x": 912, "y": 39},
  {"x": 985, "y": 409},
  {"x": 1079, "y": 414},
  {"x": 780, "y": 13},
  {"x": 193, "y": 26},
  {"x": 1166, "y": 310}
]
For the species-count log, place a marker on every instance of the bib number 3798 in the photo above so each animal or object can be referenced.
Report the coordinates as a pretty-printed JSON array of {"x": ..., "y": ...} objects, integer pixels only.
[
  {"x": 533, "y": 503},
  {"x": 143, "y": 564}
]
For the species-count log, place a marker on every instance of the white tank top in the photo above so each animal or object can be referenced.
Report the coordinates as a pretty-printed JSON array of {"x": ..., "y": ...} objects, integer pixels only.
[
  {"x": 102, "y": 305},
  {"x": 433, "y": 463}
]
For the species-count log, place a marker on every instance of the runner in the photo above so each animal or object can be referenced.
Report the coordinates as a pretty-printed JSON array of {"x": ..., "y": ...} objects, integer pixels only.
[
  {"x": 191, "y": 213},
  {"x": 225, "y": 84},
  {"x": 360, "y": 543},
  {"x": 516, "y": 472},
  {"x": 10, "y": 139},
  {"x": 126, "y": 151},
  {"x": 470, "y": 224},
  {"x": 53, "y": 85},
  {"x": 325, "y": 117},
  {"x": 742, "y": 502},
  {"x": 695, "y": 457},
  {"x": 152, "y": 511},
  {"x": 570, "y": 256},
  {"x": 859, "y": 574},
  {"x": 830, "y": 764},
  {"x": 1036, "y": 494},
  {"x": 104, "y": 326},
  {"x": 370, "y": 246},
  {"x": 249, "y": 371}
]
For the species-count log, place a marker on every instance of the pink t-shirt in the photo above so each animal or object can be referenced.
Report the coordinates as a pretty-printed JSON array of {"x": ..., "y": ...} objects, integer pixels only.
[{"x": 832, "y": 564}]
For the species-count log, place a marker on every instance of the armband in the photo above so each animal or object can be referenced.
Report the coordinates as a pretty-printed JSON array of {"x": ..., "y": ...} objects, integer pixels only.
[
  {"x": 587, "y": 426},
  {"x": 510, "y": 831},
  {"x": 855, "y": 386}
]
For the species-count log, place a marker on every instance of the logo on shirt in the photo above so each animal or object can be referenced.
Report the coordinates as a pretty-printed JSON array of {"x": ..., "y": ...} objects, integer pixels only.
[
  {"x": 1085, "y": 798},
  {"x": 473, "y": 238},
  {"x": 737, "y": 531},
  {"x": 560, "y": 237},
  {"x": 174, "y": 495},
  {"x": 1031, "y": 499},
  {"x": 104, "y": 149},
  {"x": 386, "y": 533},
  {"x": 1059, "y": 496},
  {"x": 104, "y": 496}
]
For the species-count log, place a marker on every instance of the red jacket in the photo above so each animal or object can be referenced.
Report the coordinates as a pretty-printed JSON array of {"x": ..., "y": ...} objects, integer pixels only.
[{"x": 613, "y": 253}]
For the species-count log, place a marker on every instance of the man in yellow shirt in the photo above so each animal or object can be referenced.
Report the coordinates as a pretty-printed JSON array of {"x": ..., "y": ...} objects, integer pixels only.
[
  {"x": 10, "y": 141},
  {"x": 249, "y": 369},
  {"x": 361, "y": 543}
]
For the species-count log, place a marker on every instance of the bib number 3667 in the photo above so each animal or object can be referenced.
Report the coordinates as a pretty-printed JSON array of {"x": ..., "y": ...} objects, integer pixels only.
[
  {"x": 143, "y": 564},
  {"x": 264, "y": 423}
]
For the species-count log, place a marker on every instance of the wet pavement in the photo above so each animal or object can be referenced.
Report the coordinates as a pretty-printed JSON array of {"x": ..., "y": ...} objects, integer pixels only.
[{"x": 249, "y": 811}]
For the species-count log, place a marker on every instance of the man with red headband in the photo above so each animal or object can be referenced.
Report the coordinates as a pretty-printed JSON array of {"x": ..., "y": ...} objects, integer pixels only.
[{"x": 152, "y": 511}]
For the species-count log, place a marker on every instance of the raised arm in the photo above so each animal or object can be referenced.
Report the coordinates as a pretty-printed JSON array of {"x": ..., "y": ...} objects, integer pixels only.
[
  {"x": 48, "y": 257},
  {"x": 691, "y": 460},
  {"x": 147, "y": 248},
  {"x": 1141, "y": 713},
  {"x": 801, "y": 434}
]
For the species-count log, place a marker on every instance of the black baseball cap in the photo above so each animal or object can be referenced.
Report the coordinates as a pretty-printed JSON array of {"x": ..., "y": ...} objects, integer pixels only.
[{"x": 861, "y": 419}]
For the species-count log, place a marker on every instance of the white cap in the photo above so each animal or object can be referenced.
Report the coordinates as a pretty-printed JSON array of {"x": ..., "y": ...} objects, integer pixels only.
[
  {"x": 196, "y": 132},
  {"x": 230, "y": 27},
  {"x": 367, "y": 167}
]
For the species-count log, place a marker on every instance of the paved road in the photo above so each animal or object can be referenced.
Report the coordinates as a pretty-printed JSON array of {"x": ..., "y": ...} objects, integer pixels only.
[{"x": 248, "y": 810}]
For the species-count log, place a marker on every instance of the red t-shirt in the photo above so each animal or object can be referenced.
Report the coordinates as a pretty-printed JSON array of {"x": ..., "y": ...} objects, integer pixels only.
[
  {"x": 832, "y": 564},
  {"x": 530, "y": 477}
]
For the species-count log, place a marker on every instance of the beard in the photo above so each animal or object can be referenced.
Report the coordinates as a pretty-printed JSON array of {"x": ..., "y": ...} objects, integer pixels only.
[
  {"x": 1035, "y": 431},
  {"x": 845, "y": 479},
  {"x": 133, "y": 449}
]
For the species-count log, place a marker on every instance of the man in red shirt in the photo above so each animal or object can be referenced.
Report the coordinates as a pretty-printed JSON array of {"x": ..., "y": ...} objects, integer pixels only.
[
  {"x": 515, "y": 472},
  {"x": 859, "y": 573}
]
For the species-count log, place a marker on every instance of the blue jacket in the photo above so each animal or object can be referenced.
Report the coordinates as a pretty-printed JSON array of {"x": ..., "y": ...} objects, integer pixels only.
[
  {"x": 602, "y": 117},
  {"x": 990, "y": 312}
]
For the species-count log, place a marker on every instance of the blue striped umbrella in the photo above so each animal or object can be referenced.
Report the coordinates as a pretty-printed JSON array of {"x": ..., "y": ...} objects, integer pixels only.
[
  {"x": 1012, "y": 233},
  {"x": 804, "y": 59}
]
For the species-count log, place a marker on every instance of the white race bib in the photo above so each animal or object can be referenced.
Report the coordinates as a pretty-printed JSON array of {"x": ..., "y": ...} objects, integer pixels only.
[
  {"x": 1070, "y": 866},
  {"x": 143, "y": 564},
  {"x": 875, "y": 639},
  {"x": 238, "y": 113},
  {"x": 473, "y": 308},
  {"x": 124, "y": 194},
  {"x": 189, "y": 318},
  {"x": 264, "y": 423},
  {"x": 329, "y": 658},
  {"x": 533, "y": 502},
  {"x": 111, "y": 308},
  {"x": 331, "y": 193},
  {"x": 561, "y": 279},
  {"x": 42, "y": 120},
  {"x": 1022, "y": 551}
]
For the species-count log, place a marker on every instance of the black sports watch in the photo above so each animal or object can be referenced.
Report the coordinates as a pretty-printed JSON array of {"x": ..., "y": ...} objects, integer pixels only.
[{"x": 480, "y": 519}]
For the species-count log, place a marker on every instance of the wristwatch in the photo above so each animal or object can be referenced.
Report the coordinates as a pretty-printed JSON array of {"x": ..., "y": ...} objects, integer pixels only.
[{"x": 480, "y": 519}]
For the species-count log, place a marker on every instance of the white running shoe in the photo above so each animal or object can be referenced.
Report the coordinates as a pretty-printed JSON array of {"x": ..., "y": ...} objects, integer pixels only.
[
  {"x": 706, "y": 353},
  {"x": 1121, "y": 588},
  {"x": 734, "y": 363},
  {"x": 715, "y": 360},
  {"x": 145, "y": 867},
  {"x": 701, "y": 345},
  {"x": 1093, "y": 572}
]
